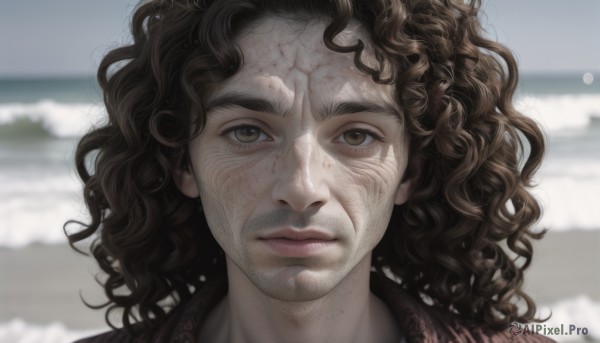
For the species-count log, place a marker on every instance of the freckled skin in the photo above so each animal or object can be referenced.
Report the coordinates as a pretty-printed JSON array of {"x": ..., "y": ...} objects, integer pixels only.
[{"x": 303, "y": 165}]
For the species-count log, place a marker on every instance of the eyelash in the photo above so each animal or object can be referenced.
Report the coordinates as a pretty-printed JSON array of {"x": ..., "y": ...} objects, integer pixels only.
[
  {"x": 357, "y": 149},
  {"x": 365, "y": 131},
  {"x": 252, "y": 145}
]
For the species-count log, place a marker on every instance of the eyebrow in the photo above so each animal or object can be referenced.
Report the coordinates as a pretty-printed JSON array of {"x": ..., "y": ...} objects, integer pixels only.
[{"x": 230, "y": 100}]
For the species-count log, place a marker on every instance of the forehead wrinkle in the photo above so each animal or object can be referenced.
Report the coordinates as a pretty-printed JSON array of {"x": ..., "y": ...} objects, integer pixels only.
[
  {"x": 281, "y": 57},
  {"x": 303, "y": 38},
  {"x": 308, "y": 63}
]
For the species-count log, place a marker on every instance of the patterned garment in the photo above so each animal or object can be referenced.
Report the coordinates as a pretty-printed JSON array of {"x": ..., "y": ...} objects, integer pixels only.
[{"x": 418, "y": 322}]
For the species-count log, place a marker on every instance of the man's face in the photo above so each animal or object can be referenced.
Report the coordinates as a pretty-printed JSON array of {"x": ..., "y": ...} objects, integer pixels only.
[{"x": 300, "y": 162}]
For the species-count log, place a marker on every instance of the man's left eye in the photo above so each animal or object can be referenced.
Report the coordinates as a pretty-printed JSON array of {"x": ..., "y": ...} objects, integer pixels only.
[{"x": 357, "y": 137}]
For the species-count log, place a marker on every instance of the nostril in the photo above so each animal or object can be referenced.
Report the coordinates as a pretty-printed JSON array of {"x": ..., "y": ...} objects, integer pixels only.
[
  {"x": 298, "y": 206},
  {"x": 318, "y": 204}
]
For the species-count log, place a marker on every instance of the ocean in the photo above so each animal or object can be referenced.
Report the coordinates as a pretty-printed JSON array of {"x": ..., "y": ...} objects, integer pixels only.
[{"x": 41, "y": 121}]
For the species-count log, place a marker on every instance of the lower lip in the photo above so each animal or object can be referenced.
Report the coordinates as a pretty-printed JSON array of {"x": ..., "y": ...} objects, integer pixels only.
[{"x": 297, "y": 248}]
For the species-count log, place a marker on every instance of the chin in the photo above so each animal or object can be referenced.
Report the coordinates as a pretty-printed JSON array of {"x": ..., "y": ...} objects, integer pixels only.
[{"x": 296, "y": 283}]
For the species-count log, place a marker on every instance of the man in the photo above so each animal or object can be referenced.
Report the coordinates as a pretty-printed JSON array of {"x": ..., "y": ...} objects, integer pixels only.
[{"x": 311, "y": 171}]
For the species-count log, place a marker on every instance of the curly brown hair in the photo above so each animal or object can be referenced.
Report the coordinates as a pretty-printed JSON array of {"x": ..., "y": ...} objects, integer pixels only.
[{"x": 455, "y": 87}]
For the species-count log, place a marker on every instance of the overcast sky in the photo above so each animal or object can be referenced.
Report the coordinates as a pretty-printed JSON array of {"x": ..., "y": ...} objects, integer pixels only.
[{"x": 68, "y": 37}]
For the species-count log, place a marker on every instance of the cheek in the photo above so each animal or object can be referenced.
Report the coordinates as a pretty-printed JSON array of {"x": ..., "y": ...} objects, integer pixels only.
[
  {"x": 375, "y": 181},
  {"x": 376, "y": 188},
  {"x": 370, "y": 193},
  {"x": 229, "y": 186},
  {"x": 233, "y": 179}
]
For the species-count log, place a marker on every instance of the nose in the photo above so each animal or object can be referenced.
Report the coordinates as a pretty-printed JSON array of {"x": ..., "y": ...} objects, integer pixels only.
[{"x": 300, "y": 182}]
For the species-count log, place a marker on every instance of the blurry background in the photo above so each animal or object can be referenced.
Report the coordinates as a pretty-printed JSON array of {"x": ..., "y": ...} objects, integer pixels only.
[{"x": 49, "y": 52}]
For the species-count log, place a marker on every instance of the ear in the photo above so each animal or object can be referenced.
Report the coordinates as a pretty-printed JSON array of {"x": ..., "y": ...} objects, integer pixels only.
[
  {"x": 409, "y": 180},
  {"x": 184, "y": 178}
]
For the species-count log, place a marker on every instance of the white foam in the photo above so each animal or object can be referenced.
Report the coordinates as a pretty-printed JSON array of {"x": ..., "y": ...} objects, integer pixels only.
[
  {"x": 561, "y": 112},
  {"x": 34, "y": 207},
  {"x": 569, "y": 192},
  {"x": 42, "y": 183},
  {"x": 569, "y": 203},
  {"x": 58, "y": 119},
  {"x": 576, "y": 167},
  {"x": 18, "y": 331},
  {"x": 23, "y": 222}
]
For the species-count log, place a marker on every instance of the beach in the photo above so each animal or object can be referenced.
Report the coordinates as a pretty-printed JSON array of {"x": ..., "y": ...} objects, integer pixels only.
[{"x": 41, "y": 284}]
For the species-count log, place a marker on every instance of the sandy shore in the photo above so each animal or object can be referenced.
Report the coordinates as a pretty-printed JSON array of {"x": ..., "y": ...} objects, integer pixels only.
[
  {"x": 565, "y": 264},
  {"x": 42, "y": 284}
]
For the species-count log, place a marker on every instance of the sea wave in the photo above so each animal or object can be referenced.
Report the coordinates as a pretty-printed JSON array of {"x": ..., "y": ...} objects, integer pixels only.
[
  {"x": 553, "y": 112},
  {"x": 561, "y": 112},
  {"x": 33, "y": 208},
  {"x": 38, "y": 218},
  {"x": 567, "y": 189},
  {"x": 569, "y": 203},
  {"x": 49, "y": 117},
  {"x": 580, "y": 312}
]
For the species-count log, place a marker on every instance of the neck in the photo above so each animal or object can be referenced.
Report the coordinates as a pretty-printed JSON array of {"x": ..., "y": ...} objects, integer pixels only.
[{"x": 349, "y": 313}]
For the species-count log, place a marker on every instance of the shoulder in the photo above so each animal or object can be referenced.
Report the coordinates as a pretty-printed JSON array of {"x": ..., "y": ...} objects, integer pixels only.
[
  {"x": 181, "y": 324},
  {"x": 454, "y": 328},
  {"x": 422, "y": 323},
  {"x": 449, "y": 327},
  {"x": 458, "y": 331}
]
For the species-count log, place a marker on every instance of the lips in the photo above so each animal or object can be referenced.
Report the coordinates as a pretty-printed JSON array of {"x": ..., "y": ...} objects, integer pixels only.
[
  {"x": 299, "y": 235},
  {"x": 298, "y": 243}
]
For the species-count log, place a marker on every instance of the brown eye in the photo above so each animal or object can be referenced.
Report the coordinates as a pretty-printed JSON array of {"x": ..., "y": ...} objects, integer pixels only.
[
  {"x": 247, "y": 134},
  {"x": 355, "y": 137}
]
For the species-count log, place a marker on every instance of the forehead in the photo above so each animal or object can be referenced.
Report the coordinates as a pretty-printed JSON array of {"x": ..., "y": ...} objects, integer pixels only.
[
  {"x": 295, "y": 44},
  {"x": 286, "y": 58}
]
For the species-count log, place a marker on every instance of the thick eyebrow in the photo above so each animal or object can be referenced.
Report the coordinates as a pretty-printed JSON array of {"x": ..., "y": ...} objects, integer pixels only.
[
  {"x": 349, "y": 107},
  {"x": 229, "y": 100}
]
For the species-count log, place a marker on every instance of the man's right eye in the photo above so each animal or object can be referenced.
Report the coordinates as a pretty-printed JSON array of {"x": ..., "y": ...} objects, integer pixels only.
[{"x": 247, "y": 134}]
